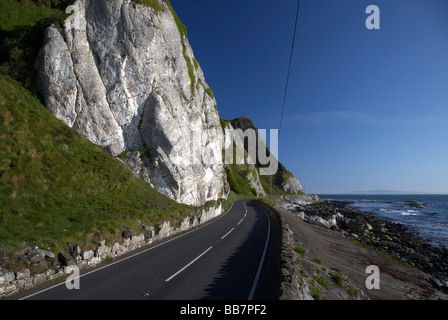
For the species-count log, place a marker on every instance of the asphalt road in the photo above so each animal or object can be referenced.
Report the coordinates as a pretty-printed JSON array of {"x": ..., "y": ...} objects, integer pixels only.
[{"x": 230, "y": 258}]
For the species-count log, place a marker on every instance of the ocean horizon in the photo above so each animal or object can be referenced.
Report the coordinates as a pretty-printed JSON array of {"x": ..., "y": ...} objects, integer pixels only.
[{"x": 425, "y": 215}]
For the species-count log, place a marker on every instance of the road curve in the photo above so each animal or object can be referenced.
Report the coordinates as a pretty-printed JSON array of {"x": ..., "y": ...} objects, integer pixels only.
[{"x": 230, "y": 258}]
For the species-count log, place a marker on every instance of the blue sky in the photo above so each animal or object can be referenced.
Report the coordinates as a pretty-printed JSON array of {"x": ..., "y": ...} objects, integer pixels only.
[{"x": 365, "y": 110}]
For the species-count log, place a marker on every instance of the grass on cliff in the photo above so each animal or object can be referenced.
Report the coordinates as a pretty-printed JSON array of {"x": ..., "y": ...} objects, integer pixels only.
[
  {"x": 56, "y": 186},
  {"x": 22, "y": 27},
  {"x": 237, "y": 178},
  {"x": 155, "y": 4},
  {"x": 158, "y": 6}
]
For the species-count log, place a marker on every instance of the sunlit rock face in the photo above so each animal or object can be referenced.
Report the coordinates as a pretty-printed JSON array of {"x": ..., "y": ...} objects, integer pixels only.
[{"x": 124, "y": 75}]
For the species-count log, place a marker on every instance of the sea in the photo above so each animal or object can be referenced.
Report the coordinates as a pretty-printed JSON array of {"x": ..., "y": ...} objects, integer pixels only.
[{"x": 426, "y": 215}]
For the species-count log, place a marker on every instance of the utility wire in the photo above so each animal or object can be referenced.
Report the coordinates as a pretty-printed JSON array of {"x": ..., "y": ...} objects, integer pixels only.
[
  {"x": 287, "y": 83},
  {"x": 289, "y": 67}
]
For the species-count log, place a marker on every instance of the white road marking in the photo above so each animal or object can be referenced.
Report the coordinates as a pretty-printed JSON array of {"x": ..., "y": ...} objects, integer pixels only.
[
  {"x": 260, "y": 266},
  {"x": 240, "y": 221},
  {"x": 131, "y": 256},
  {"x": 227, "y": 234},
  {"x": 193, "y": 261}
]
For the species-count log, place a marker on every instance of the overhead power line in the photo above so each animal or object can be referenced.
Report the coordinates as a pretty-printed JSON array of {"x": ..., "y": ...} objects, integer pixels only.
[
  {"x": 287, "y": 83},
  {"x": 289, "y": 67}
]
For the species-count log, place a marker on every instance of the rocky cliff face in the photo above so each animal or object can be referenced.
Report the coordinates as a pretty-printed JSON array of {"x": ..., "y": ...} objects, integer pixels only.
[
  {"x": 283, "y": 178},
  {"x": 124, "y": 75}
]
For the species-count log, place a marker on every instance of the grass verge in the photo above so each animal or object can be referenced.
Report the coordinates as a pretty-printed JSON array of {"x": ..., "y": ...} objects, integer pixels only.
[{"x": 56, "y": 186}]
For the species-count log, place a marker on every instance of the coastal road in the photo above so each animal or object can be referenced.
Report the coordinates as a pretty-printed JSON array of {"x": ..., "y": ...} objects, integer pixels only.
[{"x": 230, "y": 258}]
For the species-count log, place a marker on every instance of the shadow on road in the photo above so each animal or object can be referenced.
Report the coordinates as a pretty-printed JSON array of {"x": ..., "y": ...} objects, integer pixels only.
[{"x": 236, "y": 276}]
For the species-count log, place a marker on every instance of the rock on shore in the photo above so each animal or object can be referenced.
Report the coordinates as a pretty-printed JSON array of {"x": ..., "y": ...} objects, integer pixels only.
[{"x": 392, "y": 240}]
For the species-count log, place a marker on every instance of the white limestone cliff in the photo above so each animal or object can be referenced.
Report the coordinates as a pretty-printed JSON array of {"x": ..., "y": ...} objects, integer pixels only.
[{"x": 124, "y": 75}]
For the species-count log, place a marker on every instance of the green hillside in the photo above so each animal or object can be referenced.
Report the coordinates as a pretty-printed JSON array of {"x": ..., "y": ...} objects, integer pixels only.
[
  {"x": 56, "y": 186},
  {"x": 22, "y": 27},
  {"x": 239, "y": 185}
]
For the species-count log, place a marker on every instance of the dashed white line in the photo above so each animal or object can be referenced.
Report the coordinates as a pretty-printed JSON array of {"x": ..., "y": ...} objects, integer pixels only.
[
  {"x": 131, "y": 256},
  {"x": 227, "y": 234},
  {"x": 193, "y": 261},
  {"x": 240, "y": 221}
]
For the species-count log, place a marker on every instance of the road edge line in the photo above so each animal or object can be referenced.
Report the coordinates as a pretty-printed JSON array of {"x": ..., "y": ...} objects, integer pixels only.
[{"x": 260, "y": 266}]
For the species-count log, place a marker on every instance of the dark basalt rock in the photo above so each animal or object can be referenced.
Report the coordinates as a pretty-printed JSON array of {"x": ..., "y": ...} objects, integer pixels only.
[{"x": 386, "y": 236}]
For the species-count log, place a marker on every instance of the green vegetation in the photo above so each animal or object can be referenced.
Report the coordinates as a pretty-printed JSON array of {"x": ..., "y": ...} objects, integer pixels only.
[
  {"x": 237, "y": 177},
  {"x": 158, "y": 6},
  {"x": 190, "y": 69},
  {"x": 180, "y": 26},
  {"x": 266, "y": 183},
  {"x": 196, "y": 64},
  {"x": 316, "y": 293},
  {"x": 183, "y": 34},
  {"x": 210, "y": 93},
  {"x": 22, "y": 26},
  {"x": 343, "y": 282},
  {"x": 303, "y": 273},
  {"x": 56, "y": 186},
  {"x": 15, "y": 14},
  {"x": 232, "y": 182},
  {"x": 362, "y": 245},
  {"x": 300, "y": 251},
  {"x": 352, "y": 291},
  {"x": 315, "y": 284},
  {"x": 338, "y": 279},
  {"x": 318, "y": 261},
  {"x": 387, "y": 255},
  {"x": 286, "y": 176},
  {"x": 254, "y": 192},
  {"x": 226, "y": 203},
  {"x": 381, "y": 251},
  {"x": 237, "y": 174},
  {"x": 224, "y": 123},
  {"x": 240, "y": 172},
  {"x": 321, "y": 281},
  {"x": 155, "y": 4}
]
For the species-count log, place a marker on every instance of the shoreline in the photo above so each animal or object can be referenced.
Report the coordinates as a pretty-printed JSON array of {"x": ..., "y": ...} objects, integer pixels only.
[
  {"x": 407, "y": 258},
  {"x": 425, "y": 215}
]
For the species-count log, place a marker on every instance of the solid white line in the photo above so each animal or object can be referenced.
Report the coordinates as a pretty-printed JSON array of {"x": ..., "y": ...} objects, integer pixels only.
[
  {"x": 193, "y": 261},
  {"x": 131, "y": 256},
  {"x": 260, "y": 266},
  {"x": 227, "y": 234}
]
